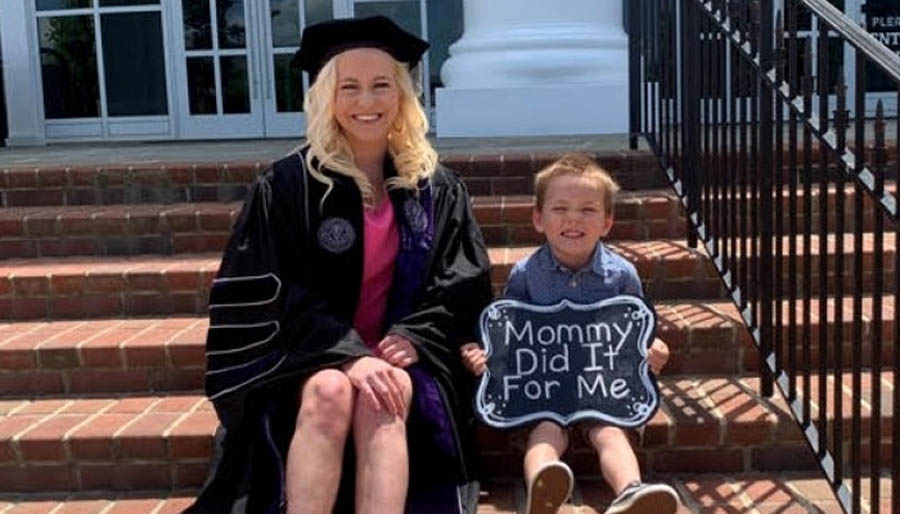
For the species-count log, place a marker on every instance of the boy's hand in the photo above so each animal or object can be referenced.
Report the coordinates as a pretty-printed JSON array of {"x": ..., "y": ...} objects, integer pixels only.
[
  {"x": 474, "y": 358},
  {"x": 658, "y": 355}
]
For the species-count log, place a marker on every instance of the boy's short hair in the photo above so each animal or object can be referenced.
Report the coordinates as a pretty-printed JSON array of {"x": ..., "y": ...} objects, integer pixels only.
[{"x": 578, "y": 164}]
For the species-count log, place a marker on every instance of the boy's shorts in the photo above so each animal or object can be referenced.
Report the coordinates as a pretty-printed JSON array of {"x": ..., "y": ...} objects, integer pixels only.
[{"x": 518, "y": 437}]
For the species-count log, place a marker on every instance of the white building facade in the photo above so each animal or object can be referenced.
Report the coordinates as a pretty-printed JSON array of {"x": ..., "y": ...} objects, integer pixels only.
[{"x": 99, "y": 70}]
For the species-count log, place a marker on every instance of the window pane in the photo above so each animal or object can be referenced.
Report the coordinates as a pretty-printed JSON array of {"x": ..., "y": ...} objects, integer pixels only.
[
  {"x": 201, "y": 85},
  {"x": 404, "y": 13},
  {"x": 112, "y": 3},
  {"x": 288, "y": 86},
  {"x": 197, "y": 25},
  {"x": 230, "y": 17},
  {"x": 883, "y": 22},
  {"x": 318, "y": 11},
  {"x": 235, "y": 90},
  {"x": 445, "y": 27},
  {"x": 285, "y": 22},
  {"x": 69, "y": 67},
  {"x": 49, "y": 5},
  {"x": 134, "y": 64}
]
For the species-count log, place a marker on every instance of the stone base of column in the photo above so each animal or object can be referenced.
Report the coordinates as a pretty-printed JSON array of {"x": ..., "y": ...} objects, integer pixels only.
[{"x": 532, "y": 111}]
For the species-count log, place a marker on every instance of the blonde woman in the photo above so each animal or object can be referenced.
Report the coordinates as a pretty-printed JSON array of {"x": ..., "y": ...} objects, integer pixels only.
[{"x": 354, "y": 274}]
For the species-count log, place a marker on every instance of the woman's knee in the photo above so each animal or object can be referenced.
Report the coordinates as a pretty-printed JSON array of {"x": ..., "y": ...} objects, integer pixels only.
[{"x": 327, "y": 401}]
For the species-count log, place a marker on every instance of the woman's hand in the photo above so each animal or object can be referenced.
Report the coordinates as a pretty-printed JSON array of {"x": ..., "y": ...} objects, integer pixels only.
[
  {"x": 658, "y": 355},
  {"x": 474, "y": 358},
  {"x": 376, "y": 379},
  {"x": 397, "y": 350}
]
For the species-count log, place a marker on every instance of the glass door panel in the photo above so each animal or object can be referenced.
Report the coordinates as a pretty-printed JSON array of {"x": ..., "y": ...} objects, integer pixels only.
[
  {"x": 284, "y": 85},
  {"x": 218, "y": 78}
]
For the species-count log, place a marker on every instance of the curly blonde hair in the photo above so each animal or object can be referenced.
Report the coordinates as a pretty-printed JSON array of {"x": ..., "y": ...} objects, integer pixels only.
[{"x": 414, "y": 157}]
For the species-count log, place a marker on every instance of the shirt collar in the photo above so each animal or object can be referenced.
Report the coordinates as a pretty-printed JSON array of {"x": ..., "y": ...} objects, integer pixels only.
[{"x": 547, "y": 261}]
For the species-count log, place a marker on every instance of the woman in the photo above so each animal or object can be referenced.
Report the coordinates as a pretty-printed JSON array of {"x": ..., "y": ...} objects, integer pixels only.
[{"x": 354, "y": 273}]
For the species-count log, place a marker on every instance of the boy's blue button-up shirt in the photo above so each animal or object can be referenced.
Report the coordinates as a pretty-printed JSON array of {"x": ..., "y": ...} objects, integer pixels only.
[{"x": 539, "y": 279}]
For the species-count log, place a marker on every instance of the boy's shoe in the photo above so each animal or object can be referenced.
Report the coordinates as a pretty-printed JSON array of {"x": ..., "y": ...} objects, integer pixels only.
[
  {"x": 550, "y": 487},
  {"x": 639, "y": 498}
]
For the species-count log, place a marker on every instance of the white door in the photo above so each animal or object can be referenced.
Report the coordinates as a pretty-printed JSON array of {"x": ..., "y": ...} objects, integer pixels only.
[{"x": 218, "y": 88}]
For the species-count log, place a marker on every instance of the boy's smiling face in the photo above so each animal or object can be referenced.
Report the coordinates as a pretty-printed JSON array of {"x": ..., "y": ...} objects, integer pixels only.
[{"x": 573, "y": 218}]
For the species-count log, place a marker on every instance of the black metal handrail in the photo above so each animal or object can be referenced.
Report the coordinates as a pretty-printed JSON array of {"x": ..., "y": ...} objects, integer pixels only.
[{"x": 755, "y": 135}]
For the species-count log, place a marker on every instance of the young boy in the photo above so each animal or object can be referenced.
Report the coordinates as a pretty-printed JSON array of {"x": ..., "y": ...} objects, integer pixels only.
[{"x": 574, "y": 210}]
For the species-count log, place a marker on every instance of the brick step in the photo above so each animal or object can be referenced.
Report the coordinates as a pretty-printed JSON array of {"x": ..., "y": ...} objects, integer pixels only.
[
  {"x": 86, "y": 287},
  {"x": 489, "y": 174},
  {"x": 745, "y": 492},
  {"x": 164, "y": 354},
  {"x": 204, "y": 227},
  {"x": 123, "y": 442}
]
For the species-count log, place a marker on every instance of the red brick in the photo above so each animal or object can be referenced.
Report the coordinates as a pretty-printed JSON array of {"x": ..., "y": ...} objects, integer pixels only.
[
  {"x": 86, "y": 380},
  {"x": 175, "y": 505},
  {"x": 84, "y": 506},
  {"x": 699, "y": 461},
  {"x": 19, "y": 178},
  {"x": 34, "y": 197},
  {"x": 193, "y": 436},
  {"x": 9, "y": 427},
  {"x": 190, "y": 474},
  {"x": 135, "y": 506},
  {"x": 69, "y": 247},
  {"x": 27, "y": 308},
  {"x": 31, "y": 383},
  {"x": 30, "y": 285},
  {"x": 36, "y": 507},
  {"x": 87, "y": 306},
  {"x": 45, "y": 442},
  {"x": 125, "y": 477},
  {"x": 94, "y": 441},
  {"x": 44, "y": 478},
  {"x": 143, "y": 438}
]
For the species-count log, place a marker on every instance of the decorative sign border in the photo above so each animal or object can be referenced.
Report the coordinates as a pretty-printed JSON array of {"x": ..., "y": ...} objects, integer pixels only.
[{"x": 486, "y": 408}]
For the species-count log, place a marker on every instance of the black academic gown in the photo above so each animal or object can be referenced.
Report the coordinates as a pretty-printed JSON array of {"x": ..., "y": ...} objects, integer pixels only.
[{"x": 282, "y": 308}]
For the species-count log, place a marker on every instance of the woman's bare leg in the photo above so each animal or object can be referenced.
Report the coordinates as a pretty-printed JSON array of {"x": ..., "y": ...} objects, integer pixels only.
[
  {"x": 317, "y": 448},
  {"x": 382, "y": 457}
]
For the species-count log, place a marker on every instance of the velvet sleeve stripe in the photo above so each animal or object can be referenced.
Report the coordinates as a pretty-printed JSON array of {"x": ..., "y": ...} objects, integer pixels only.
[
  {"x": 232, "y": 338},
  {"x": 245, "y": 291},
  {"x": 223, "y": 381}
]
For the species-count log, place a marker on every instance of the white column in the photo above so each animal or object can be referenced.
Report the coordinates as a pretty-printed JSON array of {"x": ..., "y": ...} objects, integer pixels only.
[
  {"x": 535, "y": 67},
  {"x": 21, "y": 77}
]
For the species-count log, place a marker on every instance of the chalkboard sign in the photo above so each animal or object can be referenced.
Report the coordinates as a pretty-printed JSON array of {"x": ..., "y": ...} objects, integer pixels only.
[
  {"x": 567, "y": 362},
  {"x": 883, "y": 22}
]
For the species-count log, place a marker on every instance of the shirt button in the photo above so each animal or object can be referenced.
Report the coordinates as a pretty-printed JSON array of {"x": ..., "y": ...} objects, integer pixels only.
[{"x": 573, "y": 283}]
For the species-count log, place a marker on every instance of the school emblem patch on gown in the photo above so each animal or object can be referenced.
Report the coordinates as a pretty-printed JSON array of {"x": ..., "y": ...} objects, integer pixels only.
[
  {"x": 336, "y": 235},
  {"x": 415, "y": 215}
]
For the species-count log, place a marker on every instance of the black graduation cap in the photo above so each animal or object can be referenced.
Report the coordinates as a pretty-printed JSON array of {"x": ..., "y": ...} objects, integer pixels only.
[{"x": 322, "y": 41}]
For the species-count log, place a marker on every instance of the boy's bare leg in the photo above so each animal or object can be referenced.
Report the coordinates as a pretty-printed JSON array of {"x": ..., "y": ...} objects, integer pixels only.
[
  {"x": 546, "y": 442},
  {"x": 317, "y": 447},
  {"x": 382, "y": 457},
  {"x": 618, "y": 463}
]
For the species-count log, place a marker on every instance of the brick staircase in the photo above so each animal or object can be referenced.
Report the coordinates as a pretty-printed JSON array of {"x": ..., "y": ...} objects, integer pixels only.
[{"x": 103, "y": 294}]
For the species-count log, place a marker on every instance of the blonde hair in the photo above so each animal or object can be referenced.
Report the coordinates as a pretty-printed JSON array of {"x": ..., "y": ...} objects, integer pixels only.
[
  {"x": 413, "y": 156},
  {"x": 581, "y": 165}
]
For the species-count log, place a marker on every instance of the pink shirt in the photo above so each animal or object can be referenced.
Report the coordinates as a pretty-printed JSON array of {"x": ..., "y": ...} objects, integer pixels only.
[{"x": 380, "y": 244}]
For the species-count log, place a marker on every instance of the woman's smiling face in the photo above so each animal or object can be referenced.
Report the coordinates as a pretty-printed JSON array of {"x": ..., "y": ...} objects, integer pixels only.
[{"x": 367, "y": 97}]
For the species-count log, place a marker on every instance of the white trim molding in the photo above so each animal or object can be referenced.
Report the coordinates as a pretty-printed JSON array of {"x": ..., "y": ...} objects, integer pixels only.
[{"x": 21, "y": 77}]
